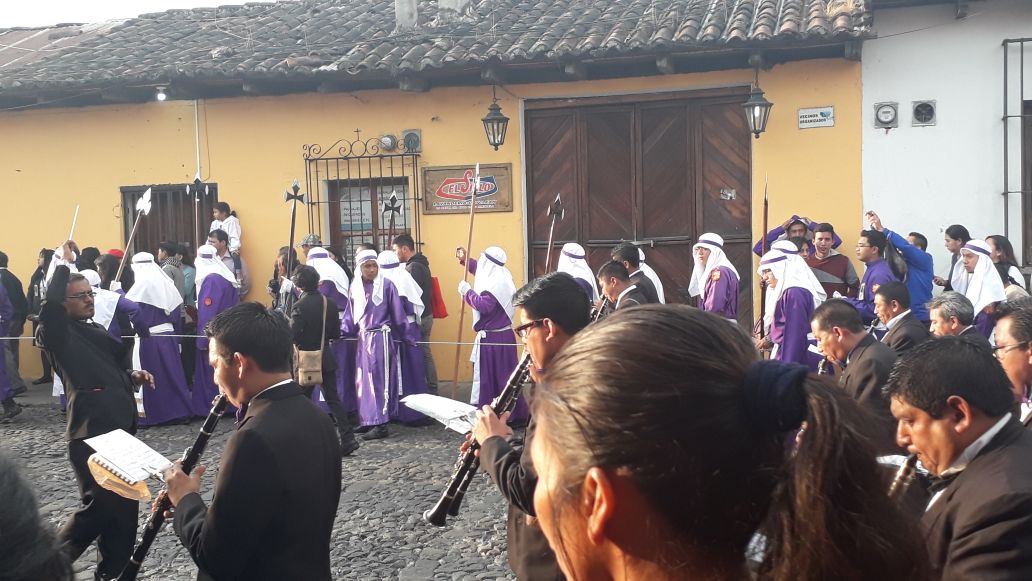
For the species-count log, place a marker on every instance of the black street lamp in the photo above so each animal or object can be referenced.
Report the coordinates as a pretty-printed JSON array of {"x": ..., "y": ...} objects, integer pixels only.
[
  {"x": 757, "y": 109},
  {"x": 495, "y": 123}
]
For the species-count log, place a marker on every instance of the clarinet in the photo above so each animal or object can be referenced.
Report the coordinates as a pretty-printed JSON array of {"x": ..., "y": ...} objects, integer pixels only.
[
  {"x": 468, "y": 463},
  {"x": 906, "y": 474},
  {"x": 598, "y": 313},
  {"x": 157, "y": 517},
  {"x": 822, "y": 367}
]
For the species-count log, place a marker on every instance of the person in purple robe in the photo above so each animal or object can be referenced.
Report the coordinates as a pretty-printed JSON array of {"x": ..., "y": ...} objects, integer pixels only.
[
  {"x": 334, "y": 284},
  {"x": 377, "y": 317},
  {"x": 413, "y": 369},
  {"x": 789, "y": 307},
  {"x": 217, "y": 290},
  {"x": 494, "y": 348},
  {"x": 981, "y": 284},
  {"x": 870, "y": 249},
  {"x": 714, "y": 279},
  {"x": 161, "y": 304},
  {"x": 795, "y": 227},
  {"x": 11, "y": 408},
  {"x": 572, "y": 262},
  {"x": 113, "y": 310}
]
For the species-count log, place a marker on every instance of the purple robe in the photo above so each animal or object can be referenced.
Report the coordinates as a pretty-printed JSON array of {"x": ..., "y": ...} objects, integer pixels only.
[
  {"x": 215, "y": 295},
  {"x": 876, "y": 274},
  {"x": 791, "y": 325},
  {"x": 6, "y": 320},
  {"x": 985, "y": 323},
  {"x": 722, "y": 294},
  {"x": 378, "y": 375},
  {"x": 413, "y": 369},
  {"x": 124, "y": 308},
  {"x": 497, "y": 362},
  {"x": 170, "y": 398}
]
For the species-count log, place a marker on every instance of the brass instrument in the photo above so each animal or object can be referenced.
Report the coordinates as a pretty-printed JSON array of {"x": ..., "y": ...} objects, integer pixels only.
[{"x": 904, "y": 477}]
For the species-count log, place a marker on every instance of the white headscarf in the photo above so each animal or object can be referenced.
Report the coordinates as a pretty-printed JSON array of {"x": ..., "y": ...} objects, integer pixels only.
[
  {"x": 790, "y": 270},
  {"x": 104, "y": 301},
  {"x": 717, "y": 258},
  {"x": 153, "y": 286},
  {"x": 208, "y": 262},
  {"x": 789, "y": 248},
  {"x": 358, "y": 297},
  {"x": 572, "y": 262},
  {"x": 651, "y": 274},
  {"x": 493, "y": 277},
  {"x": 319, "y": 259},
  {"x": 984, "y": 286},
  {"x": 392, "y": 270}
]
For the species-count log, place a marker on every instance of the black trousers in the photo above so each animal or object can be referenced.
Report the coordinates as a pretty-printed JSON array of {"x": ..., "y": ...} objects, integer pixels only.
[
  {"x": 104, "y": 516},
  {"x": 333, "y": 401}
]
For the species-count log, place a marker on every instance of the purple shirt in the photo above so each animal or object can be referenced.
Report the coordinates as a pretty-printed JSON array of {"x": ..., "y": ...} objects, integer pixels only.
[
  {"x": 791, "y": 325},
  {"x": 722, "y": 293},
  {"x": 876, "y": 274}
]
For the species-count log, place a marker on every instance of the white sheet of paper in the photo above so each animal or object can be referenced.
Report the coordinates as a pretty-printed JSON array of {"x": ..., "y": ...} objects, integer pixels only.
[
  {"x": 455, "y": 415},
  {"x": 136, "y": 459}
]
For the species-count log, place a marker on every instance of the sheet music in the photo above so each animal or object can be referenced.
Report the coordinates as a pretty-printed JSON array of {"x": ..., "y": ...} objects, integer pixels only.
[
  {"x": 129, "y": 455},
  {"x": 455, "y": 415}
]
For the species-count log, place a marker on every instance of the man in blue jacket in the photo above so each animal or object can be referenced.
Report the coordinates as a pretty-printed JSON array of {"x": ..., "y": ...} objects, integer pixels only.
[{"x": 919, "y": 266}]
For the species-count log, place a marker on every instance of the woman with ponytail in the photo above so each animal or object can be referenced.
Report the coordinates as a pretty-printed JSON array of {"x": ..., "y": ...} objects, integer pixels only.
[{"x": 664, "y": 445}]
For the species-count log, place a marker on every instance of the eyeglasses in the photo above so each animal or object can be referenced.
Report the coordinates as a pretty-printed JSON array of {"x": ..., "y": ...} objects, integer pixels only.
[
  {"x": 525, "y": 328},
  {"x": 863, "y": 245},
  {"x": 82, "y": 295},
  {"x": 1000, "y": 350}
]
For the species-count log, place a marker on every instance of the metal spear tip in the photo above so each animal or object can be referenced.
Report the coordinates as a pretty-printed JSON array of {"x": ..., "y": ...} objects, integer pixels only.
[
  {"x": 556, "y": 209},
  {"x": 144, "y": 203},
  {"x": 296, "y": 186}
]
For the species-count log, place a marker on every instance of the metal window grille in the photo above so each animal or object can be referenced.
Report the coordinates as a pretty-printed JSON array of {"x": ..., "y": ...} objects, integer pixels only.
[
  {"x": 179, "y": 213},
  {"x": 1017, "y": 138}
]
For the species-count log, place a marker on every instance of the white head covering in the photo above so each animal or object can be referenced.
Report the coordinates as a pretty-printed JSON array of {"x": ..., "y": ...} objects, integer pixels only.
[
  {"x": 358, "y": 297},
  {"x": 790, "y": 270},
  {"x": 208, "y": 262},
  {"x": 104, "y": 301},
  {"x": 392, "y": 270},
  {"x": 717, "y": 258},
  {"x": 649, "y": 272},
  {"x": 789, "y": 248},
  {"x": 493, "y": 277},
  {"x": 985, "y": 286},
  {"x": 319, "y": 259},
  {"x": 92, "y": 277},
  {"x": 572, "y": 262},
  {"x": 153, "y": 286}
]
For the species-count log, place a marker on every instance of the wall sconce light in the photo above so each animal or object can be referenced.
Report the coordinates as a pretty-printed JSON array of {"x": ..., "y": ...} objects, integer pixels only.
[
  {"x": 161, "y": 95},
  {"x": 757, "y": 109},
  {"x": 495, "y": 123}
]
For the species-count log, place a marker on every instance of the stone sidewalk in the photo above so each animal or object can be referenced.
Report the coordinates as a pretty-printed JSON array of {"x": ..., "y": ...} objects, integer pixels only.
[{"x": 378, "y": 534}]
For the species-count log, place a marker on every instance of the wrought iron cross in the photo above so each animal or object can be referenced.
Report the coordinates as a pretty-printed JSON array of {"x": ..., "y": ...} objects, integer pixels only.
[
  {"x": 556, "y": 212},
  {"x": 391, "y": 205}
]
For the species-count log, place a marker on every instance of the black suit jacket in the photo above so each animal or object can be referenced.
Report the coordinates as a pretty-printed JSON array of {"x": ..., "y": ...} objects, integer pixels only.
[
  {"x": 645, "y": 285},
  {"x": 634, "y": 297},
  {"x": 981, "y": 525},
  {"x": 16, "y": 294},
  {"x": 906, "y": 333},
  {"x": 863, "y": 378},
  {"x": 306, "y": 323},
  {"x": 276, "y": 495},
  {"x": 973, "y": 334}
]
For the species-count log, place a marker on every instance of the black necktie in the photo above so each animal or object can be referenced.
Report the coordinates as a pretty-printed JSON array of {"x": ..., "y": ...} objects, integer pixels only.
[{"x": 941, "y": 482}]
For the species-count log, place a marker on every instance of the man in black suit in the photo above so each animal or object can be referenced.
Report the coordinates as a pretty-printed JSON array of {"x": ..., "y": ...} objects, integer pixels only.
[
  {"x": 1014, "y": 350},
  {"x": 866, "y": 364},
  {"x": 627, "y": 254},
  {"x": 16, "y": 294},
  {"x": 892, "y": 307},
  {"x": 95, "y": 370},
  {"x": 307, "y": 324},
  {"x": 617, "y": 286},
  {"x": 278, "y": 485},
  {"x": 952, "y": 314},
  {"x": 954, "y": 407},
  {"x": 552, "y": 309}
]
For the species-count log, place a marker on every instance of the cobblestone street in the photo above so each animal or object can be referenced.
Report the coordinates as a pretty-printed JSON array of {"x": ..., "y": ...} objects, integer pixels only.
[{"x": 379, "y": 533}]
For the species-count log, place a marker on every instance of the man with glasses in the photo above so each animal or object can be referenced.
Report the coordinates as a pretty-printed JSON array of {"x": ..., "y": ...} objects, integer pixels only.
[
  {"x": 870, "y": 250},
  {"x": 99, "y": 382},
  {"x": 1014, "y": 350}
]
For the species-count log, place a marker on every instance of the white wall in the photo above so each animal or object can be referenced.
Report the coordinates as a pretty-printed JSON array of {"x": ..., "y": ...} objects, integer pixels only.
[{"x": 926, "y": 178}]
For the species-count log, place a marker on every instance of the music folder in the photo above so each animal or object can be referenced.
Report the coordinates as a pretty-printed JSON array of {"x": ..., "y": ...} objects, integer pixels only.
[{"x": 122, "y": 464}]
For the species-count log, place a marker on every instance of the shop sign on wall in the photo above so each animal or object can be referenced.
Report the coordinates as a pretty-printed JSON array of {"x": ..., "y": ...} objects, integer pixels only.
[
  {"x": 447, "y": 189},
  {"x": 816, "y": 117}
]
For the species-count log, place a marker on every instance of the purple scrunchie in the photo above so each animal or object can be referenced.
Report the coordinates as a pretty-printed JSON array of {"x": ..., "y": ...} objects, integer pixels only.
[{"x": 775, "y": 400}]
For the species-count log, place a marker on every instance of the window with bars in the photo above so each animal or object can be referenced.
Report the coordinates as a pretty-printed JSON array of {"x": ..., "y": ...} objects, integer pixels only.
[{"x": 177, "y": 215}]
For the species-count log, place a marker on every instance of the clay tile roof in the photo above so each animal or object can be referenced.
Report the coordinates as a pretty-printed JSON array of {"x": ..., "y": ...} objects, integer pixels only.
[{"x": 357, "y": 38}]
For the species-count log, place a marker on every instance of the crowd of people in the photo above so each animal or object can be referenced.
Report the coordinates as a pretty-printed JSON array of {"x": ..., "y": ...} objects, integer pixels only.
[{"x": 662, "y": 441}]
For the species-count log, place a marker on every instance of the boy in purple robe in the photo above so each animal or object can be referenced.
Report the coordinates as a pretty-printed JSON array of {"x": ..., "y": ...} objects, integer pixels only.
[
  {"x": 413, "y": 368},
  {"x": 333, "y": 284},
  {"x": 217, "y": 290},
  {"x": 789, "y": 308},
  {"x": 377, "y": 317},
  {"x": 494, "y": 350},
  {"x": 714, "y": 279},
  {"x": 870, "y": 249},
  {"x": 160, "y": 304},
  {"x": 979, "y": 285}
]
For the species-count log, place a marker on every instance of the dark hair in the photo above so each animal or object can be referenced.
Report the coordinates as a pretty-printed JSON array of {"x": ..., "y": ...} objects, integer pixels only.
[
  {"x": 406, "y": 241},
  {"x": 824, "y": 227},
  {"x": 107, "y": 268},
  {"x": 929, "y": 373},
  {"x": 876, "y": 239},
  {"x": 953, "y": 304},
  {"x": 794, "y": 222},
  {"x": 1006, "y": 249},
  {"x": 920, "y": 240},
  {"x": 170, "y": 248},
  {"x": 894, "y": 291},
  {"x": 75, "y": 277},
  {"x": 306, "y": 278},
  {"x": 837, "y": 313},
  {"x": 31, "y": 551},
  {"x": 3, "y": 259},
  {"x": 958, "y": 232},
  {"x": 254, "y": 331},
  {"x": 87, "y": 258},
  {"x": 224, "y": 208},
  {"x": 219, "y": 234},
  {"x": 626, "y": 251},
  {"x": 48, "y": 255},
  {"x": 558, "y": 297},
  {"x": 186, "y": 250},
  {"x": 676, "y": 423},
  {"x": 800, "y": 242},
  {"x": 290, "y": 262},
  {"x": 1019, "y": 311},
  {"x": 613, "y": 269},
  {"x": 366, "y": 246}
]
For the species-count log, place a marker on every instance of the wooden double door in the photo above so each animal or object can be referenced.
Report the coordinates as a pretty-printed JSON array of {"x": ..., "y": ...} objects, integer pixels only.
[{"x": 656, "y": 170}]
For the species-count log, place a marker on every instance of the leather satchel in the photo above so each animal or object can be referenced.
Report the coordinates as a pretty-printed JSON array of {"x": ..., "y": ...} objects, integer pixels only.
[{"x": 309, "y": 363}]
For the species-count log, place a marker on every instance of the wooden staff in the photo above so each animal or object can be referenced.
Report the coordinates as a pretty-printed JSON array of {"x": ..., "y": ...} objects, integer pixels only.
[
  {"x": 475, "y": 187},
  {"x": 75, "y": 218}
]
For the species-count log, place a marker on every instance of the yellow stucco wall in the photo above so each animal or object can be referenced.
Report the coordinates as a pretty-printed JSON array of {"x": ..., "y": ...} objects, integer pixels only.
[{"x": 51, "y": 160}]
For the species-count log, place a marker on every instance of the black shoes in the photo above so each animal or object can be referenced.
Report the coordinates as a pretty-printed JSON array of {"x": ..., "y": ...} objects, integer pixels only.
[
  {"x": 42, "y": 380},
  {"x": 11, "y": 409},
  {"x": 348, "y": 444},
  {"x": 376, "y": 433}
]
